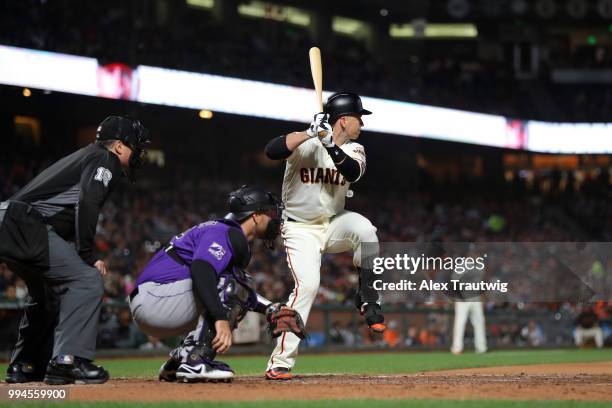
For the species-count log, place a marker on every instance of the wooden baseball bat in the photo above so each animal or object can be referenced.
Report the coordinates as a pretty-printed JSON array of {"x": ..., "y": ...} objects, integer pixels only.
[{"x": 317, "y": 75}]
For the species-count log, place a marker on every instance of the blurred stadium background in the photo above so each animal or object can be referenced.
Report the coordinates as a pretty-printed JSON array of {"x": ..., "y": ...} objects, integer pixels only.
[{"x": 529, "y": 63}]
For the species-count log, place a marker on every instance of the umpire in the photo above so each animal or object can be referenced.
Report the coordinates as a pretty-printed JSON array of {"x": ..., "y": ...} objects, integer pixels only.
[{"x": 47, "y": 237}]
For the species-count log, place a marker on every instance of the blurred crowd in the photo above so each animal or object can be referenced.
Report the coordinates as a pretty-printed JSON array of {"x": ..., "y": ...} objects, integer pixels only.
[
  {"x": 558, "y": 206},
  {"x": 449, "y": 74},
  {"x": 140, "y": 220}
]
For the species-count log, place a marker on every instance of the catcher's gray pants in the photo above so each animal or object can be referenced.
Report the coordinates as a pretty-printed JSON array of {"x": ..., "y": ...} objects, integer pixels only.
[
  {"x": 73, "y": 295},
  {"x": 169, "y": 309},
  {"x": 165, "y": 309}
]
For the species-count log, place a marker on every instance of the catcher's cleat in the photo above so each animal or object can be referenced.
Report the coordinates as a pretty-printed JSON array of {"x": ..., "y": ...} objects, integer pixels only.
[
  {"x": 204, "y": 370},
  {"x": 19, "y": 373},
  {"x": 167, "y": 372},
  {"x": 279, "y": 373},
  {"x": 374, "y": 317}
]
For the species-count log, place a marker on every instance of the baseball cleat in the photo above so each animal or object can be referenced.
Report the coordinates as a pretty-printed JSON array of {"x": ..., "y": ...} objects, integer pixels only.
[
  {"x": 167, "y": 372},
  {"x": 374, "y": 317},
  {"x": 18, "y": 373},
  {"x": 279, "y": 373},
  {"x": 74, "y": 370},
  {"x": 378, "y": 327},
  {"x": 204, "y": 370}
]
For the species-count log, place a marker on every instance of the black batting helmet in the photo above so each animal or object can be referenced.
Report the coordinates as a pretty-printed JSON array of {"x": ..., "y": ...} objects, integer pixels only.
[
  {"x": 343, "y": 103},
  {"x": 249, "y": 200}
]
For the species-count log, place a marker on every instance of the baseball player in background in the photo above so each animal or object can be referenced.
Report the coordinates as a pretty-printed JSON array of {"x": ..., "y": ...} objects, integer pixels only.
[
  {"x": 197, "y": 285},
  {"x": 469, "y": 305},
  {"x": 321, "y": 164},
  {"x": 47, "y": 237}
]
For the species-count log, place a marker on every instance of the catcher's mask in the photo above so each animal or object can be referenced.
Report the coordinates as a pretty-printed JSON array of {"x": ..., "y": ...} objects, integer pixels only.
[
  {"x": 247, "y": 201},
  {"x": 130, "y": 132}
]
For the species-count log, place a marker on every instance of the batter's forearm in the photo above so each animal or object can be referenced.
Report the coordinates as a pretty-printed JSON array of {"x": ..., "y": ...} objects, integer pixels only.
[
  {"x": 295, "y": 139},
  {"x": 346, "y": 165}
]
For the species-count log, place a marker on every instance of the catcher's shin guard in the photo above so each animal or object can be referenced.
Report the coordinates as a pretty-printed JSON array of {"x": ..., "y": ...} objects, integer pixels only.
[{"x": 203, "y": 346}]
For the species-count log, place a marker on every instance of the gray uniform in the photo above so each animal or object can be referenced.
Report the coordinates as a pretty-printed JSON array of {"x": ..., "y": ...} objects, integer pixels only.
[{"x": 58, "y": 211}]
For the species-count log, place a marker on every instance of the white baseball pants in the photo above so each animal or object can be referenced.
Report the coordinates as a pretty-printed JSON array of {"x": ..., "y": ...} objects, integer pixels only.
[
  {"x": 304, "y": 244},
  {"x": 473, "y": 310}
]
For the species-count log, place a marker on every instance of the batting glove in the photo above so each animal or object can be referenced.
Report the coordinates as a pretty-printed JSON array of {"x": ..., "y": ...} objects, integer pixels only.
[{"x": 320, "y": 126}]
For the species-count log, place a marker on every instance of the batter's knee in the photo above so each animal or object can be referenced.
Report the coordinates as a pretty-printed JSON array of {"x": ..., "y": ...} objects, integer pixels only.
[
  {"x": 308, "y": 289},
  {"x": 367, "y": 232}
]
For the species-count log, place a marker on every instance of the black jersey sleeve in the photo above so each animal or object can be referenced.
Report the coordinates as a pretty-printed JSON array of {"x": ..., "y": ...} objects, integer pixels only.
[
  {"x": 100, "y": 174},
  {"x": 205, "y": 280},
  {"x": 240, "y": 247}
]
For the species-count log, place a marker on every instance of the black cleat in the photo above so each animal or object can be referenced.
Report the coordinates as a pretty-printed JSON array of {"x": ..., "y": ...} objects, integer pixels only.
[
  {"x": 374, "y": 317},
  {"x": 167, "y": 372},
  {"x": 18, "y": 373},
  {"x": 81, "y": 371}
]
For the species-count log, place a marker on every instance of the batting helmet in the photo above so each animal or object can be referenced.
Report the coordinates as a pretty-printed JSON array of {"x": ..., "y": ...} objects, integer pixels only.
[
  {"x": 249, "y": 200},
  {"x": 344, "y": 103}
]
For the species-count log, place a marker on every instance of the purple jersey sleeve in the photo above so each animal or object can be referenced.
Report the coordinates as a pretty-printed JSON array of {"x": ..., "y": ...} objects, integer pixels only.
[{"x": 214, "y": 248}]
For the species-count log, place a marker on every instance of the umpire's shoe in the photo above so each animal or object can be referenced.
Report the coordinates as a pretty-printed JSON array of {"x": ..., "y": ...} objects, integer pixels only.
[
  {"x": 21, "y": 372},
  {"x": 279, "y": 374},
  {"x": 74, "y": 370},
  {"x": 374, "y": 317}
]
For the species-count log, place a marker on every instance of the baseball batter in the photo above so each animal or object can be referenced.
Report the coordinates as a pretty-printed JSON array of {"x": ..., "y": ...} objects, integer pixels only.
[{"x": 321, "y": 164}]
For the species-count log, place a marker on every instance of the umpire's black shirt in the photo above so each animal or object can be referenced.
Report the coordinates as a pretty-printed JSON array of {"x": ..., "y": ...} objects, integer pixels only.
[{"x": 70, "y": 193}]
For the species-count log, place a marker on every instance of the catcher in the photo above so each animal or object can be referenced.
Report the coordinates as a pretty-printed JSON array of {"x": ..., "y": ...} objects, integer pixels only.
[{"x": 197, "y": 285}]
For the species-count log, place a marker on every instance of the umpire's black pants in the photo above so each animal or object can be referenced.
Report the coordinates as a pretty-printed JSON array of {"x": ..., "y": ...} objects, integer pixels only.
[{"x": 64, "y": 304}]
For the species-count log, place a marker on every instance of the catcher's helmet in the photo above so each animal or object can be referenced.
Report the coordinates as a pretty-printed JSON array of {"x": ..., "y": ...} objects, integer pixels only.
[
  {"x": 344, "y": 103},
  {"x": 249, "y": 200}
]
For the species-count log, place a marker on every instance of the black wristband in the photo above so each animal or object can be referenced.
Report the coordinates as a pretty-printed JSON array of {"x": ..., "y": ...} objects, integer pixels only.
[
  {"x": 336, "y": 154},
  {"x": 346, "y": 165}
]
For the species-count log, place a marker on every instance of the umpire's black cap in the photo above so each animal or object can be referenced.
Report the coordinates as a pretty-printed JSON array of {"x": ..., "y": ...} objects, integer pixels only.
[
  {"x": 344, "y": 103},
  {"x": 129, "y": 130}
]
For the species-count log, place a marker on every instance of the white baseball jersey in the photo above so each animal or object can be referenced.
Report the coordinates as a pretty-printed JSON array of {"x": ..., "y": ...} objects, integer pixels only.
[{"x": 313, "y": 189}]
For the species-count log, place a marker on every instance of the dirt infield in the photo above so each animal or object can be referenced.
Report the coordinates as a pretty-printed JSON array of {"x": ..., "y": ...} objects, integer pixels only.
[{"x": 584, "y": 381}]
